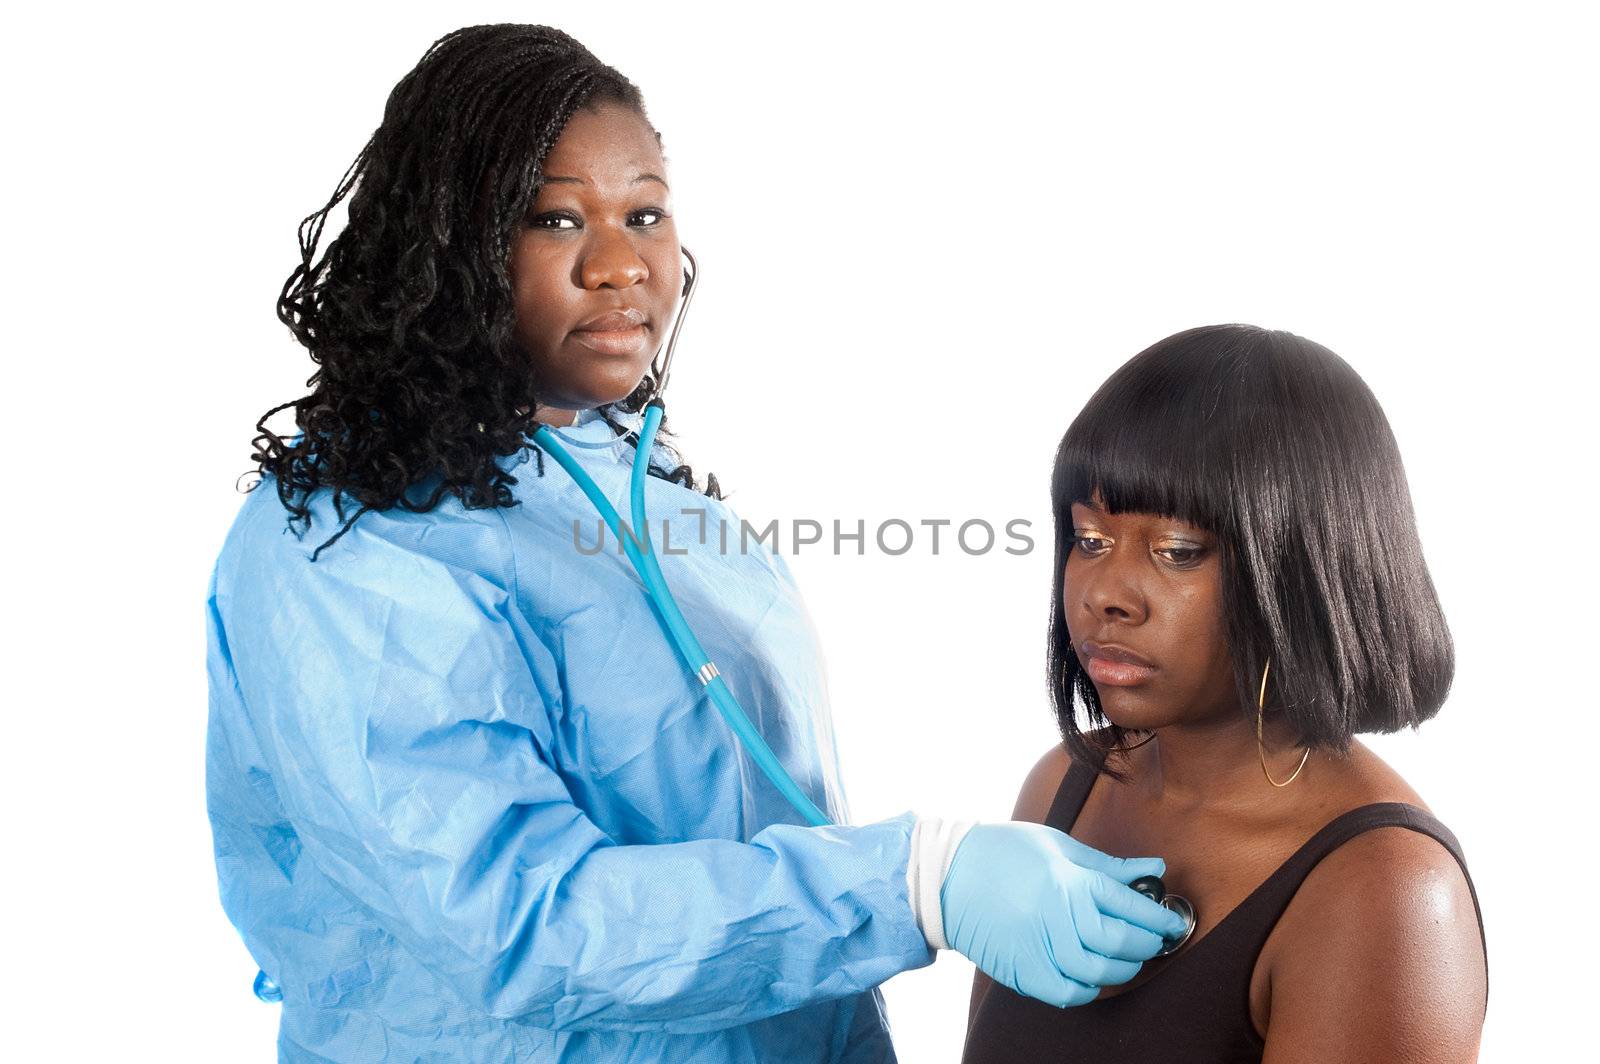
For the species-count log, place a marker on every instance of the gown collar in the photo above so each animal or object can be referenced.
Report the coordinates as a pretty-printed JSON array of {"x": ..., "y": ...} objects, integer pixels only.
[{"x": 590, "y": 426}]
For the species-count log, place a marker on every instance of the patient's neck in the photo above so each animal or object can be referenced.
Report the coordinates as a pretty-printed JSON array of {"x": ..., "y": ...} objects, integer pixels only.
[{"x": 1215, "y": 763}]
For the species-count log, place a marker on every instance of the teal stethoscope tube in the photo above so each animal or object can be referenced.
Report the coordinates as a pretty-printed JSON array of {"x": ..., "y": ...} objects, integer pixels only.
[{"x": 642, "y": 555}]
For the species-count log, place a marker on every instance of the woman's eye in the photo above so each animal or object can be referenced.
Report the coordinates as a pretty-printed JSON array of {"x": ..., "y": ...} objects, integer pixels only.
[
  {"x": 1089, "y": 544},
  {"x": 553, "y": 221},
  {"x": 1183, "y": 557},
  {"x": 647, "y": 217}
]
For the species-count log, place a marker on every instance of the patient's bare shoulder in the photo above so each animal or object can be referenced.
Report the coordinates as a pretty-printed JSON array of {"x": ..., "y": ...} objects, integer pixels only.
[
  {"x": 1379, "y": 949},
  {"x": 1040, "y": 787}
]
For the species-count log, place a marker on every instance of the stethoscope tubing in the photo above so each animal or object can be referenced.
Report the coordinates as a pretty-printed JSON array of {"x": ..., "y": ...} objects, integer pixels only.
[{"x": 641, "y": 554}]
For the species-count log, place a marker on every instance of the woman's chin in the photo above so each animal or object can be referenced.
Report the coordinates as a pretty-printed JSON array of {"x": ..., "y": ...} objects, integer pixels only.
[
  {"x": 598, "y": 396},
  {"x": 1130, "y": 711},
  {"x": 616, "y": 390}
]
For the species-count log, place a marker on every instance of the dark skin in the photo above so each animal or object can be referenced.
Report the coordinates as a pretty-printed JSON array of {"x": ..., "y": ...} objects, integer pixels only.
[
  {"x": 598, "y": 240},
  {"x": 1378, "y": 957}
]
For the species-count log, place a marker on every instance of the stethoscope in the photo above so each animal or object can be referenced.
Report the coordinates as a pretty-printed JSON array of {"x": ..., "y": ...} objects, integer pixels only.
[
  {"x": 642, "y": 555},
  {"x": 1153, "y": 888}
]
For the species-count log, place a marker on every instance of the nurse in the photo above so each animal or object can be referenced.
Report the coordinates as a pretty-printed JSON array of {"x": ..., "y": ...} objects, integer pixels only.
[{"x": 467, "y": 803}]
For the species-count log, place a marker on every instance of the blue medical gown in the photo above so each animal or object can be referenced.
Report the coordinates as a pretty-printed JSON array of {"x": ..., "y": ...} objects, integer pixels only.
[{"x": 469, "y": 806}]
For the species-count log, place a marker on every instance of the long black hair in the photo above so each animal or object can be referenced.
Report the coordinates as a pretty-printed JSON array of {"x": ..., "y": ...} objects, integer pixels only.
[
  {"x": 1276, "y": 446},
  {"x": 409, "y": 314}
]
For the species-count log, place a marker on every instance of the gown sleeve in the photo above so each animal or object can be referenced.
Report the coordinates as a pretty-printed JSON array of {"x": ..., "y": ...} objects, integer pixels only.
[{"x": 392, "y": 696}]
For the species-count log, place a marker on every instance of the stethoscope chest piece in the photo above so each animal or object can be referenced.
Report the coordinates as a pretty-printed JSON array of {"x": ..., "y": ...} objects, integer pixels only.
[{"x": 1152, "y": 888}]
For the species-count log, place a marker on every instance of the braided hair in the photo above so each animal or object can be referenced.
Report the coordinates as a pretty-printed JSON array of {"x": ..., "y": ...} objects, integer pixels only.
[{"x": 410, "y": 314}]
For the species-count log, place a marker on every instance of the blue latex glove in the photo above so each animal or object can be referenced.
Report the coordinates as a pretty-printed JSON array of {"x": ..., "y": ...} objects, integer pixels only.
[{"x": 1047, "y": 916}]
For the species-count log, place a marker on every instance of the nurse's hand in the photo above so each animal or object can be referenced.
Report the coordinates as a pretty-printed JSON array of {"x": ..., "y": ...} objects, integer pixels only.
[{"x": 1047, "y": 916}]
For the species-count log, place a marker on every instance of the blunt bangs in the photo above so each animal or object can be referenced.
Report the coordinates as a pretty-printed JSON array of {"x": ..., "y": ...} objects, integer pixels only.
[
  {"x": 1144, "y": 445},
  {"x": 1276, "y": 446}
]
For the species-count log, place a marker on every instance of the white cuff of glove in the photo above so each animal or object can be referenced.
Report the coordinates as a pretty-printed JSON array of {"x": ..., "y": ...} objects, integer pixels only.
[{"x": 933, "y": 847}]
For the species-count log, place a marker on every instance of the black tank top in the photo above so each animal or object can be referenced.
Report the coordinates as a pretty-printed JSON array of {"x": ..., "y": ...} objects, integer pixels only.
[{"x": 1198, "y": 1009}]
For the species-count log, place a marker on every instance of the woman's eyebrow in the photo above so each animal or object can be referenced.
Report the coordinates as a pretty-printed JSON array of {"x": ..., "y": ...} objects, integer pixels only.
[{"x": 558, "y": 179}]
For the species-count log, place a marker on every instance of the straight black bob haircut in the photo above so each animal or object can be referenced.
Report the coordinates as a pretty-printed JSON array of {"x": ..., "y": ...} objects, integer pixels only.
[{"x": 1273, "y": 444}]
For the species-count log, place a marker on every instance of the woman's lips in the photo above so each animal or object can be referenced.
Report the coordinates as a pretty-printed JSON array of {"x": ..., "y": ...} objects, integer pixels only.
[
  {"x": 629, "y": 341},
  {"x": 1114, "y": 666},
  {"x": 616, "y": 332},
  {"x": 1116, "y": 673}
]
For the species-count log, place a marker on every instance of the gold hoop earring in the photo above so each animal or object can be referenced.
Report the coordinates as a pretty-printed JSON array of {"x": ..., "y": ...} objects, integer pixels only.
[{"x": 1261, "y": 703}]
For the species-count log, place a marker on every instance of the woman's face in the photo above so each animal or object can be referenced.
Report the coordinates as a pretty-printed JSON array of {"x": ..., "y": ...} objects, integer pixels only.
[
  {"x": 595, "y": 268},
  {"x": 1143, "y": 603}
]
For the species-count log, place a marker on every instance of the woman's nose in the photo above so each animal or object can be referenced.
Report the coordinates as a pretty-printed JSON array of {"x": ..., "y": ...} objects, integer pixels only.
[
  {"x": 1111, "y": 595},
  {"x": 611, "y": 262}
]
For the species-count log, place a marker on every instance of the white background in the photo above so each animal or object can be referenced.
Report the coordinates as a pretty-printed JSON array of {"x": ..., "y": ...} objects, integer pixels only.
[{"x": 927, "y": 234}]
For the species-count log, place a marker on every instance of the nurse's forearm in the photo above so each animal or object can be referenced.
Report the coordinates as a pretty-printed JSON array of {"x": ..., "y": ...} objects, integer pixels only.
[{"x": 699, "y": 936}]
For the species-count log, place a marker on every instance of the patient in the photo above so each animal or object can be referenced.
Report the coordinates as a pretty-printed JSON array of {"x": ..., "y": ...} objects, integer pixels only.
[{"x": 1240, "y": 590}]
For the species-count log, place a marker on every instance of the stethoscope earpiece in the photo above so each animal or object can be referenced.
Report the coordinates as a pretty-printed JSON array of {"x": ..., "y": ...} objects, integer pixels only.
[{"x": 1152, "y": 888}]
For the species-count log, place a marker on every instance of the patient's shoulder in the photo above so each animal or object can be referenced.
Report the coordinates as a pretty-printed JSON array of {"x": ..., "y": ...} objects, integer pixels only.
[
  {"x": 1386, "y": 928},
  {"x": 1389, "y": 872},
  {"x": 1391, "y": 877},
  {"x": 1040, "y": 787}
]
